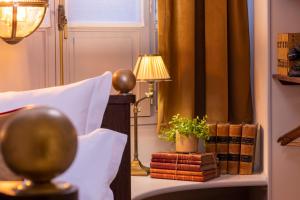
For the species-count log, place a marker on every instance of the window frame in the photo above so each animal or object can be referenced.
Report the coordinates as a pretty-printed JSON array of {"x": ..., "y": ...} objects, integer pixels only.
[{"x": 109, "y": 24}]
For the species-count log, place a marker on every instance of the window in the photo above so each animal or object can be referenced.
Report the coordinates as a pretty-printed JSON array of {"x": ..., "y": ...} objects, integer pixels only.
[{"x": 104, "y": 12}]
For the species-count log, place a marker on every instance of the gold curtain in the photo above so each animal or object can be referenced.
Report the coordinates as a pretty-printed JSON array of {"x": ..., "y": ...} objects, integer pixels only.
[
  {"x": 217, "y": 32},
  {"x": 176, "y": 45},
  {"x": 227, "y": 55}
]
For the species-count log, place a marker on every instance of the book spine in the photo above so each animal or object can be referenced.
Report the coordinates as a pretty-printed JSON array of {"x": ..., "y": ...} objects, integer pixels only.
[
  {"x": 180, "y": 172},
  {"x": 182, "y": 177},
  {"x": 211, "y": 144},
  {"x": 248, "y": 142},
  {"x": 179, "y": 156},
  {"x": 222, "y": 146},
  {"x": 285, "y": 42},
  {"x": 284, "y": 66},
  {"x": 190, "y": 162},
  {"x": 183, "y": 167},
  {"x": 235, "y": 134}
]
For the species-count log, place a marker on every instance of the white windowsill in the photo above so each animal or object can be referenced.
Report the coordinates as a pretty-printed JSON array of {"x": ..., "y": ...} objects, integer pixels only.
[{"x": 143, "y": 187}]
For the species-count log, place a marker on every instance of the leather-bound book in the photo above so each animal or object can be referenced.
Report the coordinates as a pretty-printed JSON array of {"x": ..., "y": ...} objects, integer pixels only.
[
  {"x": 211, "y": 144},
  {"x": 235, "y": 134},
  {"x": 248, "y": 142},
  {"x": 204, "y": 157},
  {"x": 190, "y": 162},
  {"x": 222, "y": 146},
  {"x": 180, "y": 172},
  {"x": 183, "y": 167},
  {"x": 183, "y": 177}
]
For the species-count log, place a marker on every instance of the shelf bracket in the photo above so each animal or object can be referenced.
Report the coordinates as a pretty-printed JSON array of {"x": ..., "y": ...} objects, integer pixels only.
[{"x": 288, "y": 138}]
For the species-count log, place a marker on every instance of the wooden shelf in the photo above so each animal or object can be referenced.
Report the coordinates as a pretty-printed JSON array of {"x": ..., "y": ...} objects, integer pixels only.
[
  {"x": 286, "y": 80},
  {"x": 294, "y": 144}
]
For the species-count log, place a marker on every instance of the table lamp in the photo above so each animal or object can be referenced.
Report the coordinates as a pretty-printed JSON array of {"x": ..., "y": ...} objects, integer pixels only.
[{"x": 151, "y": 69}]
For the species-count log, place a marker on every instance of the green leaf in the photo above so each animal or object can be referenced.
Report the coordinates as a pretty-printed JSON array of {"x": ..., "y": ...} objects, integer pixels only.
[{"x": 185, "y": 126}]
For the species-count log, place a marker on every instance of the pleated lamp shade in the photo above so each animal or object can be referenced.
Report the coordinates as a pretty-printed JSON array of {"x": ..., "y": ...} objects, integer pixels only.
[{"x": 151, "y": 68}]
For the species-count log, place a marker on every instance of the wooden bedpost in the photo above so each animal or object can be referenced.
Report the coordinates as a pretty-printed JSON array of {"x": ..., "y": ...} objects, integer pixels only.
[{"x": 117, "y": 118}]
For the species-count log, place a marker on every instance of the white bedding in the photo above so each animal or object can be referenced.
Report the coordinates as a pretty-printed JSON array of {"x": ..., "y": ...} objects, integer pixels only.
[
  {"x": 100, "y": 150},
  {"x": 96, "y": 165},
  {"x": 83, "y": 102}
]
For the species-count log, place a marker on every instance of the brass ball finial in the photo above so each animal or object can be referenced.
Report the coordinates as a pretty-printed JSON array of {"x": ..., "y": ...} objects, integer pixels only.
[
  {"x": 124, "y": 81},
  {"x": 38, "y": 143}
]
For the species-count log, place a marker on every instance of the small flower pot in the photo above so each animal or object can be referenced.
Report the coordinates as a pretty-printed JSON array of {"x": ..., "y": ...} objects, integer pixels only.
[{"x": 186, "y": 144}]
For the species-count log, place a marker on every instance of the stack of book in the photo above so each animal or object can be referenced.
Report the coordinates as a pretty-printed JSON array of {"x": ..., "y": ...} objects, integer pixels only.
[
  {"x": 285, "y": 42},
  {"x": 234, "y": 145},
  {"x": 186, "y": 167}
]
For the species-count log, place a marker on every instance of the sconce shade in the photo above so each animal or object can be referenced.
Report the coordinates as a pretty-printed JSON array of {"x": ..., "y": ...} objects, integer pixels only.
[
  {"x": 20, "y": 18},
  {"x": 151, "y": 68}
]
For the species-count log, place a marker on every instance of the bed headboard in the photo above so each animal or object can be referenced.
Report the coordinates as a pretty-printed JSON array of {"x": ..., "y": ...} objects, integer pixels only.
[{"x": 117, "y": 118}]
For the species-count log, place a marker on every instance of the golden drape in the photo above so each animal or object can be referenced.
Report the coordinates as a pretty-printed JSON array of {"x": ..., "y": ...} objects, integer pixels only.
[
  {"x": 217, "y": 32},
  {"x": 176, "y": 45},
  {"x": 227, "y": 55}
]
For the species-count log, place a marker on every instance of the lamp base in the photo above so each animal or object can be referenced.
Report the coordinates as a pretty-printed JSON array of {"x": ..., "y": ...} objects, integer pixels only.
[{"x": 138, "y": 169}]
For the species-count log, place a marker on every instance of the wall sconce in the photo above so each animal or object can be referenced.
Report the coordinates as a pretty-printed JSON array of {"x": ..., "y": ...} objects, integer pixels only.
[{"x": 20, "y": 18}]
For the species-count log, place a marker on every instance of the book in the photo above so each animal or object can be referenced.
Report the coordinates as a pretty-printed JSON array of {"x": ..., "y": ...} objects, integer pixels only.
[
  {"x": 248, "y": 142},
  {"x": 235, "y": 134},
  {"x": 180, "y": 172},
  {"x": 182, "y": 177},
  {"x": 222, "y": 146},
  {"x": 211, "y": 144},
  {"x": 183, "y": 167},
  {"x": 204, "y": 157},
  {"x": 285, "y": 42},
  {"x": 191, "y": 162},
  {"x": 284, "y": 66}
]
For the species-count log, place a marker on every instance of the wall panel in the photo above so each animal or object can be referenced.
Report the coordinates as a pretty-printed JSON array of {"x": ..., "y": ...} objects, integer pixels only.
[{"x": 27, "y": 64}]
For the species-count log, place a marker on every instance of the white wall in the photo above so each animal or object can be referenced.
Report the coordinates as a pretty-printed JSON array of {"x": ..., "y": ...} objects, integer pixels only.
[
  {"x": 285, "y": 17},
  {"x": 261, "y": 75}
]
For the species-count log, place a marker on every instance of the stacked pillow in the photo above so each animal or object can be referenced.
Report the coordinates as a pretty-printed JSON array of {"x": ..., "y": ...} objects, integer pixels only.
[
  {"x": 83, "y": 102},
  {"x": 100, "y": 152},
  {"x": 96, "y": 165}
]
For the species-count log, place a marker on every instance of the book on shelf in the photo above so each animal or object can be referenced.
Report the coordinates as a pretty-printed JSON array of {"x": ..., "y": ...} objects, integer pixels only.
[
  {"x": 180, "y": 172},
  {"x": 203, "y": 157},
  {"x": 235, "y": 134},
  {"x": 211, "y": 144},
  {"x": 222, "y": 146},
  {"x": 285, "y": 42},
  {"x": 183, "y": 167},
  {"x": 183, "y": 177},
  {"x": 191, "y": 162},
  {"x": 248, "y": 141}
]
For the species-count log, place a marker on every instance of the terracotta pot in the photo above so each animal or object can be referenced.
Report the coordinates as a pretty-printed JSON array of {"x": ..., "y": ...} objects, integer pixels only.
[{"x": 186, "y": 144}]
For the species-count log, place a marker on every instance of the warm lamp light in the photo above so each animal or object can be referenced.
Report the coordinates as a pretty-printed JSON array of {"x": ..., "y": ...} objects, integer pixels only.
[
  {"x": 20, "y": 18},
  {"x": 149, "y": 68}
]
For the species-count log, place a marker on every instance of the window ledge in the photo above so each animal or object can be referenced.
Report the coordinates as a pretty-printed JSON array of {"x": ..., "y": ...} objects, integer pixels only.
[{"x": 144, "y": 187}]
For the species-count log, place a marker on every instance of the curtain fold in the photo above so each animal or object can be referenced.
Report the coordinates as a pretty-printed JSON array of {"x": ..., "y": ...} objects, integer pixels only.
[
  {"x": 206, "y": 47},
  {"x": 177, "y": 47}
]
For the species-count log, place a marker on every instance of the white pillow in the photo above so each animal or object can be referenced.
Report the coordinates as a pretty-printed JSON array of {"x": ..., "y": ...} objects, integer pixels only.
[
  {"x": 83, "y": 102},
  {"x": 96, "y": 165}
]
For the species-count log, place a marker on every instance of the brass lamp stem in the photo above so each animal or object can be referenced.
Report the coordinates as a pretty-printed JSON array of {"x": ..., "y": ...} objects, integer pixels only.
[
  {"x": 137, "y": 168},
  {"x": 62, "y": 28},
  {"x": 61, "y": 57}
]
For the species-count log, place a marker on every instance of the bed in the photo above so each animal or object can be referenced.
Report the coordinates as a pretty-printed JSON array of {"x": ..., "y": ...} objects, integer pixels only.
[{"x": 115, "y": 116}]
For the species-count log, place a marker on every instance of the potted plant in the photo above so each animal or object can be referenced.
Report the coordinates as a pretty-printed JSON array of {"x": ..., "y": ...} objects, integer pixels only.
[{"x": 185, "y": 133}]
